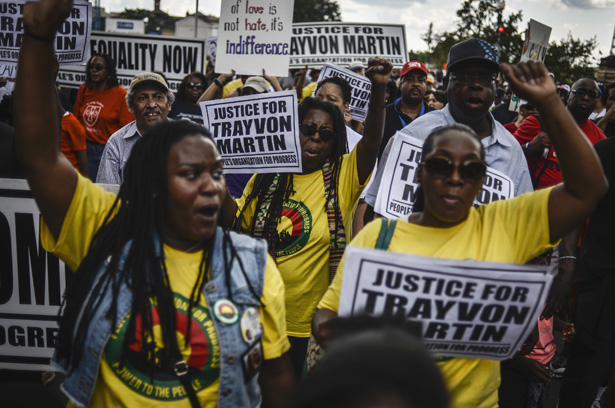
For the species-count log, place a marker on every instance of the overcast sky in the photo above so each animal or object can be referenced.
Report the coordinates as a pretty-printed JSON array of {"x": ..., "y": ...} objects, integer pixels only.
[{"x": 583, "y": 18}]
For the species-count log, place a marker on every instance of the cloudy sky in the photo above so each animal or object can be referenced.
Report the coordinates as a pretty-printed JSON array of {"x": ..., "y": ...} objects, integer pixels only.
[{"x": 583, "y": 18}]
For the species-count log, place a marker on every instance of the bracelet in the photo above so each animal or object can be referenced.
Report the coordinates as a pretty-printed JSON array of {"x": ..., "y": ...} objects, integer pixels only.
[
  {"x": 527, "y": 148},
  {"x": 39, "y": 37},
  {"x": 568, "y": 257},
  {"x": 378, "y": 109},
  {"x": 218, "y": 84}
]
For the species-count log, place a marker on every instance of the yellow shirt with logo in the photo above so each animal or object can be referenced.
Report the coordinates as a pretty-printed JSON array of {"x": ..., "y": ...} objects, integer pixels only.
[
  {"x": 303, "y": 254},
  {"x": 511, "y": 231},
  {"x": 129, "y": 385}
]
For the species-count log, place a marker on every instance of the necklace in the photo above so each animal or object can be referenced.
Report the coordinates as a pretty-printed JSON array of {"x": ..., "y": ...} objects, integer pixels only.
[{"x": 195, "y": 247}]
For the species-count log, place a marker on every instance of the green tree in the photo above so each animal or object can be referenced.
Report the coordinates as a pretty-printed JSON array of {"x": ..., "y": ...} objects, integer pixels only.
[
  {"x": 316, "y": 10},
  {"x": 571, "y": 59}
]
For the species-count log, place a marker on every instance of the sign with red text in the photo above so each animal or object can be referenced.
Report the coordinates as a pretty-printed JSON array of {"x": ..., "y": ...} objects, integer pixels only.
[
  {"x": 256, "y": 133},
  {"x": 254, "y": 35},
  {"x": 397, "y": 191},
  {"x": 467, "y": 308},
  {"x": 361, "y": 89},
  {"x": 314, "y": 44}
]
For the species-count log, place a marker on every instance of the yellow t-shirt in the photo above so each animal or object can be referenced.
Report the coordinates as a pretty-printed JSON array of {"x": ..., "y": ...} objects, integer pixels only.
[
  {"x": 512, "y": 231},
  {"x": 303, "y": 253},
  {"x": 231, "y": 87},
  {"x": 308, "y": 90},
  {"x": 131, "y": 385}
]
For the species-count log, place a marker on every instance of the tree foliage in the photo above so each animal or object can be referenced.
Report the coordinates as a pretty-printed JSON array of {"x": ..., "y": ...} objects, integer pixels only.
[
  {"x": 571, "y": 59},
  {"x": 316, "y": 10}
]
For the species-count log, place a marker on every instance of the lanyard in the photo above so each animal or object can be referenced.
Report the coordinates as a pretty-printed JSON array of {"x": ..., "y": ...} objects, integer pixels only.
[{"x": 403, "y": 122}]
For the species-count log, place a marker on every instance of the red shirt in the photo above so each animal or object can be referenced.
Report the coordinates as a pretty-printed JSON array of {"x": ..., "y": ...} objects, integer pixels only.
[
  {"x": 102, "y": 112},
  {"x": 73, "y": 138},
  {"x": 551, "y": 175}
]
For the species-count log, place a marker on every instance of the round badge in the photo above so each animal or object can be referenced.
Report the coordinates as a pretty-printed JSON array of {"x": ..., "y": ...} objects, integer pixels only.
[
  {"x": 226, "y": 311},
  {"x": 250, "y": 325}
]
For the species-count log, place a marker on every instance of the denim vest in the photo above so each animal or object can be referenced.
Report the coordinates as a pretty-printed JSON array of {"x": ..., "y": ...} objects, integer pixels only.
[{"x": 233, "y": 390}]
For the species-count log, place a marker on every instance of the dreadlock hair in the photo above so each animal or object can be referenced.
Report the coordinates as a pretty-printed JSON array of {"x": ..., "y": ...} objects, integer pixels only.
[
  {"x": 110, "y": 67},
  {"x": 181, "y": 89},
  {"x": 345, "y": 87},
  {"x": 139, "y": 213},
  {"x": 284, "y": 188}
]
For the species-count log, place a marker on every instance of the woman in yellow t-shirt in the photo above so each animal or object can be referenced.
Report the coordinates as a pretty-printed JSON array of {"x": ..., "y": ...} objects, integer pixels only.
[
  {"x": 306, "y": 217},
  {"x": 165, "y": 308},
  {"x": 514, "y": 231}
]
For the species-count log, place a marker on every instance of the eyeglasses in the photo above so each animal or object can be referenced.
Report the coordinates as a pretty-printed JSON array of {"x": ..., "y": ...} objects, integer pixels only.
[
  {"x": 470, "y": 171},
  {"x": 583, "y": 92},
  {"x": 194, "y": 85},
  {"x": 97, "y": 67},
  {"x": 469, "y": 79},
  {"x": 310, "y": 130}
]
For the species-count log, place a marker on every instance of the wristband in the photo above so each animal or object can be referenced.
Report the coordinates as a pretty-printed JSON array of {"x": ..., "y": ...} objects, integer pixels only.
[
  {"x": 568, "y": 257},
  {"x": 218, "y": 84}
]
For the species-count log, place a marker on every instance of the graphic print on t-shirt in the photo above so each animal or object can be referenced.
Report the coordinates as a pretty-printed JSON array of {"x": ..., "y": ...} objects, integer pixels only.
[
  {"x": 301, "y": 219},
  {"x": 136, "y": 373},
  {"x": 91, "y": 112}
]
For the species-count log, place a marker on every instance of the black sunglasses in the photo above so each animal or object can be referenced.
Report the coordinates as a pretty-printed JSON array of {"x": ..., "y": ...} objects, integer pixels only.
[
  {"x": 469, "y": 79},
  {"x": 583, "y": 92},
  {"x": 194, "y": 85},
  {"x": 310, "y": 130},
  {"x": 470, "y": 171},
  {"x": 97, "y": 67}
]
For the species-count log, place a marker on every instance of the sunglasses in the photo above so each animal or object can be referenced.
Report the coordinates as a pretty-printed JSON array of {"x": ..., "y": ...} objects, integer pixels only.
[
  {"x": 471, "y": 171},
  {"x": 194, "y": 85},
  {"x": 583, "y": 92},
  {"x": 97, "y": 67},
  {"x": 310, "y": 130},
  {"x": 468, "y": 79}
]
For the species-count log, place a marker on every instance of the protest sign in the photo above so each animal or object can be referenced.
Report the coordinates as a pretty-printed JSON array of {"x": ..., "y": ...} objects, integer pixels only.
[
  {"x": 256, "y": 133},
  {"x": 254, "y": 35},
  {"x": 361, "y": 89},
  {"x": 397, "y": 190},
  {"x": 314, "y": 44},
  {"x": 467, "y": 308},
  {"x": 133, "y": 54},
  {"x": 212, "y": 47},
  {"x": 70, "y": 42},
  {"x": 32, "y": 282}
]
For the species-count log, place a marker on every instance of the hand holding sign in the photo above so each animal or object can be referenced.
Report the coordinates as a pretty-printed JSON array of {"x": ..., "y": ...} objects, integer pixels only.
[{"x": 43, "y": 18}]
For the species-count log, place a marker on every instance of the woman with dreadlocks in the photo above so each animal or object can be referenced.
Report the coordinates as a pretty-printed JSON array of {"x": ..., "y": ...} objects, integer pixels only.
[
  {"x": 306, "y": 218},
  {"x": 165, "y": 308}
]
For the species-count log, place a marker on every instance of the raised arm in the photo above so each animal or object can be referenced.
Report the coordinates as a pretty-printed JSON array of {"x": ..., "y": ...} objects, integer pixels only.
[
  {"x": 379, "y": 72},
  {"x": 51, "y": 177},
  {"x": 584, "y": 182},
  {"x": 214, "y": 91}
]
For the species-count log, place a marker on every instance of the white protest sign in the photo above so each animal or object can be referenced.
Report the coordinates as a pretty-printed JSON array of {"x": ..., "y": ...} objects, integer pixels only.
[
  {"x": 467, "y": 308},
  {"x": 536, "y": 42},
  {"x": 70, "y": 42},
  {"x": 256, "y": 133},
  {"x": 398, "y": 187},
  {"x": 175, "y": 57},
  {"x": 361, "y": 89},
  {"x": 212, "y": 48},
  {"x": 32, "y": 282},
  {"x": 254, "y": 34},
  {"x": 314, "y": 44}
]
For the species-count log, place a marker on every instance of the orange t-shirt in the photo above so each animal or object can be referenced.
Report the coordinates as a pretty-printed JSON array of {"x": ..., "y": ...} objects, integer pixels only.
[
  {"x": 102, "y": 112},
  {"x": 73, "y": 138}
]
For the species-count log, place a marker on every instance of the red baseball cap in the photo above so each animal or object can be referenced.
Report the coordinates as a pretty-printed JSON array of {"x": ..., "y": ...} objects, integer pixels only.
[{"x": 409, "y": 66}]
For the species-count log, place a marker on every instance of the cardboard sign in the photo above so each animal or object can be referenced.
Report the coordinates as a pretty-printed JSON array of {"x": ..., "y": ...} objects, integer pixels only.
[
  {"x": 134, "y": 54},
  {"x": 70, "y": 42},
  {"x": 254, "y": 35},
  {"x": 398, "y": 187},
  {"x": 314, "y": 44},
  {"x": 467, "y": 308},
  {"x": 32, "y": 282},
  {"x": 536, "y": 42},
  {"x": 212, "y": 49},
  {"x": 256, "y": 133},
  {"x": 361, "y": 88}
]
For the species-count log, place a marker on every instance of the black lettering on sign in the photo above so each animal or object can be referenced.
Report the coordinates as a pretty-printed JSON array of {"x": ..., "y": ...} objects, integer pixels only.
[{"x": 6, "y": 261}]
